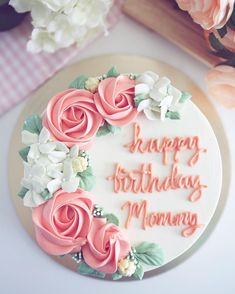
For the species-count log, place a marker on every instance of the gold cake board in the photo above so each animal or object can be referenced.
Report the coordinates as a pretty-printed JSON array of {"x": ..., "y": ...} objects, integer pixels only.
[{"x": 94, "y": 66}]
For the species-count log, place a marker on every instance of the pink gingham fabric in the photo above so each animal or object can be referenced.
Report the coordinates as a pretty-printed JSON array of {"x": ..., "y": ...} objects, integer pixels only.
[{"x": 22, "y": 72}]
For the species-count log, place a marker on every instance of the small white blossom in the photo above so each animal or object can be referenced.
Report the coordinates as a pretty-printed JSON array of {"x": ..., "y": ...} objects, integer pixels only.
[
  {"x": 159, "y": 95},
  {"x": 61, "y": 23},
  {"x": 126, "y": 267},
  {"x": 50, "y": 166}
]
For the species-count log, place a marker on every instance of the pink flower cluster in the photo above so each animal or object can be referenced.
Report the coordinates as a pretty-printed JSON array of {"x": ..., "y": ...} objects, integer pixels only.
[
  {"x": 74, "y": 116},
  {"x": 65, "y": 224}
]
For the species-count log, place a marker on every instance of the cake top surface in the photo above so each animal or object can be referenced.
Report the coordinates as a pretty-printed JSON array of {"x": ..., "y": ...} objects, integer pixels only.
[{"x": 122, "y": 172}]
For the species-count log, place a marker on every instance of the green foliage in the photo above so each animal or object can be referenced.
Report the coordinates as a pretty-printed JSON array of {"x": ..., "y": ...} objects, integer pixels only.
[
  {"x": 116, "y": 276},
  {"x": 139, "y": 272},
  {"x": 46, "y": 194},
  {"x": 79, "y": 82},
  {"x": 113, "y": 72},
  {"x": 24, "y": 153},
  {"x": 138, "y": 99},
  {"x": 111, "y": 218},
  {"x": 84, "y": 269},
  {"x": 87, "y": 179},
  {"x": 33, "y": 124},
  {"x": 107, "y": 129},
  {"x": 173, "y": 115},
  {"x": 185, "y": 96},
  {"x": 149, "y": 253},
  {"x": 22, "y": 192}
]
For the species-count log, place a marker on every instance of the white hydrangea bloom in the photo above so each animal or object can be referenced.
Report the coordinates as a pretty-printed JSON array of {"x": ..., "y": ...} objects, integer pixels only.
[
  {"x": 159, "y": 95},
  {"x": 126, "y": 267},
  {"x": 50, "y": 165},
  {"x": 61, "y": 23}
]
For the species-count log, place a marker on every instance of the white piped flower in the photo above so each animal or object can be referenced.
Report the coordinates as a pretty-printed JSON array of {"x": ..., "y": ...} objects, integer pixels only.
[
  {"x": 60, "y": 23},
  {"x": 159, "y": 95},
  {"x": 126, "y": 267},
  {"x": 50, "y": 165}
]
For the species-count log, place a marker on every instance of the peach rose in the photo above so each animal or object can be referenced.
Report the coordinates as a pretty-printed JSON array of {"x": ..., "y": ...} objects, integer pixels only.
[
  {"x": 105, "y": 246},
  {"x": 208, "y": 13},
  {"x": 63, "y": 222},
  {"x": 71, "y": 117},
  {"x": 115, "y": 100},
  {"x": 221, "y": 84}
]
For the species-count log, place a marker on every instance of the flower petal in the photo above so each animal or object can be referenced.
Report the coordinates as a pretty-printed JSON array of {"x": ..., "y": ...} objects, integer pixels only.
[
  {"x": 29, "y": 138},
  {"x": 47, "y": 148},
  {"x": 151, "y": 115},
  {"x": 141, "y": 89},
  {"x": 54, "y": 185},
  {"x": 143, "y": 105},
  {"x": 57, "y": 156},
  {"x": 166, "y": 102},
  {"x": 28, "y": 199},
  {"x": 71, "y": 185},
  {"x": 147, "y": 78},
  {"x": 44, "y": 136},
  {"x": 34, "y": 153},
  {"x": 68, "y": 170},
  {"x": 74, "y": 151},
  {"x": 164, "y": 109},
  {"x": 60, "y": 146}
]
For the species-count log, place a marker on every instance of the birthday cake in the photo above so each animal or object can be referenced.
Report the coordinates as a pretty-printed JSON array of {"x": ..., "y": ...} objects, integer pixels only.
[{"x": 122, "y": 173}]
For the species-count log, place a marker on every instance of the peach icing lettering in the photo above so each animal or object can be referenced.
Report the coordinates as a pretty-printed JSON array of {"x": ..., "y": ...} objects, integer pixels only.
[
  {"x": 139, "y": 210},
  {"x": 142, "y": 180},
  {"x": 166, "y": 145}
]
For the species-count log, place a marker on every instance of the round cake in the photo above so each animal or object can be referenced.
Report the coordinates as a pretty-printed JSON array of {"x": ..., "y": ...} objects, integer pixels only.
[{"x": 122, "y": 173}]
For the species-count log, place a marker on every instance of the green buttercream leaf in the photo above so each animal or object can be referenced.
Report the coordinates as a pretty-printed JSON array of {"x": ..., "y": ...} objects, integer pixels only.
[
  {"x": 185, "y": 96},
  {"x": 113, "y": 129},
  {"x": 116, "y": 276},
  {"x": 103, "y": 131},
  {"x": 106, "y": 129},
  {"x": 46, "y": 194},
  {"x": 111, "y": 218},
  {"x": 173, "y": 115},
  {"x": 139, "y": 272},
  {"x": 113, "y": 72},
  {"x": 22, "y": 192},
  {"x": 138, "y": 99},
  {"x": 87, "y": 179},
  {"x": 84, "y": 269},
  {"x": 79, "y": 82},
  {"x": 33, "y": 124},
  {"x": 24, "y": 153},
  {"x": 149, "y": 253}
]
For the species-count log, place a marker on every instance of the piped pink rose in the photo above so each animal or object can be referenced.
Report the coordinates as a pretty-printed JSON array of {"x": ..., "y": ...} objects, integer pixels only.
[
  {"x": 63, "y": 222},
  {"x": 72, "y": 117},
  {"x": 221, "y": 84},
  {"x": 105, "y": 246},
  {"x": 115, "y": 100},
  {"x": 208, "y": 13}
]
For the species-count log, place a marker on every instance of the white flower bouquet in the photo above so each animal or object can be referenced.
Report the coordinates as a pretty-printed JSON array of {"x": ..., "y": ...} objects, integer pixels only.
[{"x": 61, "y": 23}]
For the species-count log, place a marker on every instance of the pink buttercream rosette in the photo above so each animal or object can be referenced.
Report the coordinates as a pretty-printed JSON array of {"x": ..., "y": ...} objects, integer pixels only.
[
  {"x": 75, "y": 115},
  {"x": 72, "y": 118},
  {"x": 106, "y": 245},
  {"x": 115, "y": 100},
  {"x": 63, "y": 222}
]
